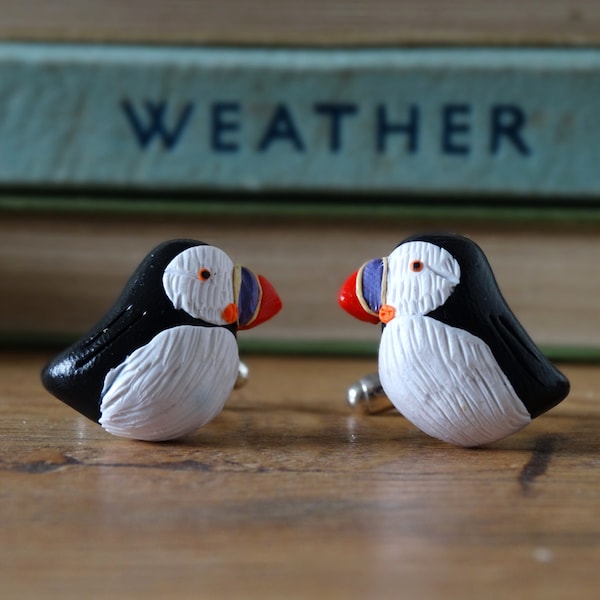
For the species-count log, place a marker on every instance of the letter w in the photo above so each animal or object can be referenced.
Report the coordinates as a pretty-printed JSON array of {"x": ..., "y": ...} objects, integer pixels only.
[{"x": 154, "y": 125}]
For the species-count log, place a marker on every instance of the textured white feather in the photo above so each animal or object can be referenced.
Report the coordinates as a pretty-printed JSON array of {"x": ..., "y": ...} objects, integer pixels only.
[
  {"x": 419, "y": 293},
  {"x": 200, "y": 299},
  {"x": 173, "y": 385},
  {"x": 447, "y": 382}
]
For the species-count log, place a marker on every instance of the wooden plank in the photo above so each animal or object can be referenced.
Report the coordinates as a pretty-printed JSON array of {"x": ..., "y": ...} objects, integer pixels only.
[
  {"x": 66, "y": 270},
  {"x": 288, "y": 494},
  {"x": 453, "y": 122},
  {"x": 318, "y": 22}
]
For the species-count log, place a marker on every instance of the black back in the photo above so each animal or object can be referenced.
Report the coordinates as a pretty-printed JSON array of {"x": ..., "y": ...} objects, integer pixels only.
[{"x": 76, "y": 376}]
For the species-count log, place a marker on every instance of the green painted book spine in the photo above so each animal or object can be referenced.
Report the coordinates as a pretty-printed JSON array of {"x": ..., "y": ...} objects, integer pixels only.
[{"x": 521, "y": 123}]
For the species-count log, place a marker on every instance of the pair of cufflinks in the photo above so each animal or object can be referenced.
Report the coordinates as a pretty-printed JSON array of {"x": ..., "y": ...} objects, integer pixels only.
[{"x": 453, "y": 359}]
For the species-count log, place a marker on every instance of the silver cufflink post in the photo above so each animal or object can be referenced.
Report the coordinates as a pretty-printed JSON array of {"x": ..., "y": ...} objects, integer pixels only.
[
  {"x": 366, "y": 395},
  {"x": 242, "y": 376}
]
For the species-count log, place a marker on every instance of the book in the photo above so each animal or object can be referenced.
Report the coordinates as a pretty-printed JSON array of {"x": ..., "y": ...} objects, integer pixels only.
[
  {"x": 63, "y": 261},
  {"x": 452, "y": 122},
  {"x": 311, "y": 22}
]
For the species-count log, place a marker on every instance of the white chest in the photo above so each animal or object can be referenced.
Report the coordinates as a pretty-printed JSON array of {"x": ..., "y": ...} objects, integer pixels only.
[
  {"x": 175, "y": 384},
  {"x": 447, "y": 382}
]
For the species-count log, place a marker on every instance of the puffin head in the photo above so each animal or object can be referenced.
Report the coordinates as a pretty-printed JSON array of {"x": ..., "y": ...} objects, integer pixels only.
[
  {"x": 204, "y": 282},
  {"x": 415, "y": 279}
]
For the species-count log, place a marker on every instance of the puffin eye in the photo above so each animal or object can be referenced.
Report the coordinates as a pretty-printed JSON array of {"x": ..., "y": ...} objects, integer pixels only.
[
  {"x": 416, "y": 266},
  {"x": 203, "y": 274}
]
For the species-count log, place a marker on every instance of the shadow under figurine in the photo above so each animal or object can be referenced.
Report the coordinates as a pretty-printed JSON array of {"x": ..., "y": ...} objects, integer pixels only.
[
  {"x": 453, "y": 359},
  {"x": 164, "y": 359}
]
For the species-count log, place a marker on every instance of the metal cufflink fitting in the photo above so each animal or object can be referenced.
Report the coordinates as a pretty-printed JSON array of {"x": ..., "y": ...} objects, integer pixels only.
[
  {"x": 366, "y": 395},
  {"x": 242, "y": 376}
]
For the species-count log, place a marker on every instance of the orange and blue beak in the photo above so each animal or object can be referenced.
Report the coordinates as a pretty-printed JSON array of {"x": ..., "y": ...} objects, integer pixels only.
[
  {"x": 363, "y": 293},
  {"x": 257, "y": 299}
]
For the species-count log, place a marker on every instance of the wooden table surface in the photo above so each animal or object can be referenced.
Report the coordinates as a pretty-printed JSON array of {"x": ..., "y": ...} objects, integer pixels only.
[{"x": 287, "y": 494}]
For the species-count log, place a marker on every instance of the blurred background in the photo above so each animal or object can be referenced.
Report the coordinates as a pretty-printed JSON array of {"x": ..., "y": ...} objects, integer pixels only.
[{"x": 303, "y": 139}]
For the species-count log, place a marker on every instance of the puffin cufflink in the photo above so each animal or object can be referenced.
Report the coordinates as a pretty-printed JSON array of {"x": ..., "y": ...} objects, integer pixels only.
[
  {"x": 164, "y": 359},
  {"x": 453, "y": 359}
]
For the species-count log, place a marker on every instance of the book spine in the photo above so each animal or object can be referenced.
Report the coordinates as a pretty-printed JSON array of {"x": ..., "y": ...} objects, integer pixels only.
[{"x": 516, "y": 122}]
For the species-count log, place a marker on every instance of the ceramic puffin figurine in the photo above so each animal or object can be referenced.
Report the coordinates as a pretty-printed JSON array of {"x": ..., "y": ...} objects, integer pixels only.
[
  {"x": 453, "y": 359},
  {"x": 164, "y": 359}
]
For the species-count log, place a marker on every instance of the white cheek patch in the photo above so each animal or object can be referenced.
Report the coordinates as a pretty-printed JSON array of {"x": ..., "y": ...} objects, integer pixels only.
[
  {"x": 175, "y": 384},
  {"x": 419, "y": 292},
  {"x": 202, "y": 299}
]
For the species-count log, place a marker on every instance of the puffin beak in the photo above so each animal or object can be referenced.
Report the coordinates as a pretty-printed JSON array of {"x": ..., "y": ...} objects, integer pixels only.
[
  {"x": 257, "y": 300},
  {"x": 352, "y": 300}
]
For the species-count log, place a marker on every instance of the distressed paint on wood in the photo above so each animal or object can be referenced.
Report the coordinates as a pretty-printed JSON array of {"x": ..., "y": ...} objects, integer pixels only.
[{"x": 415, "y": 121}]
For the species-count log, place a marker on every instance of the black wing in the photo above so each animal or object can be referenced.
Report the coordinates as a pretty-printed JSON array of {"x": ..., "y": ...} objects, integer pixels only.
[{"x": 477, "y": 306}]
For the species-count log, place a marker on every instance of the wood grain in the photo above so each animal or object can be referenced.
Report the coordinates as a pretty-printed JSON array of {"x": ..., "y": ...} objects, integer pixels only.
[
  {"x": 65, "y": 271},
  {"x": 289, "y": 495},
  {"x": 311, "y": 22}
]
